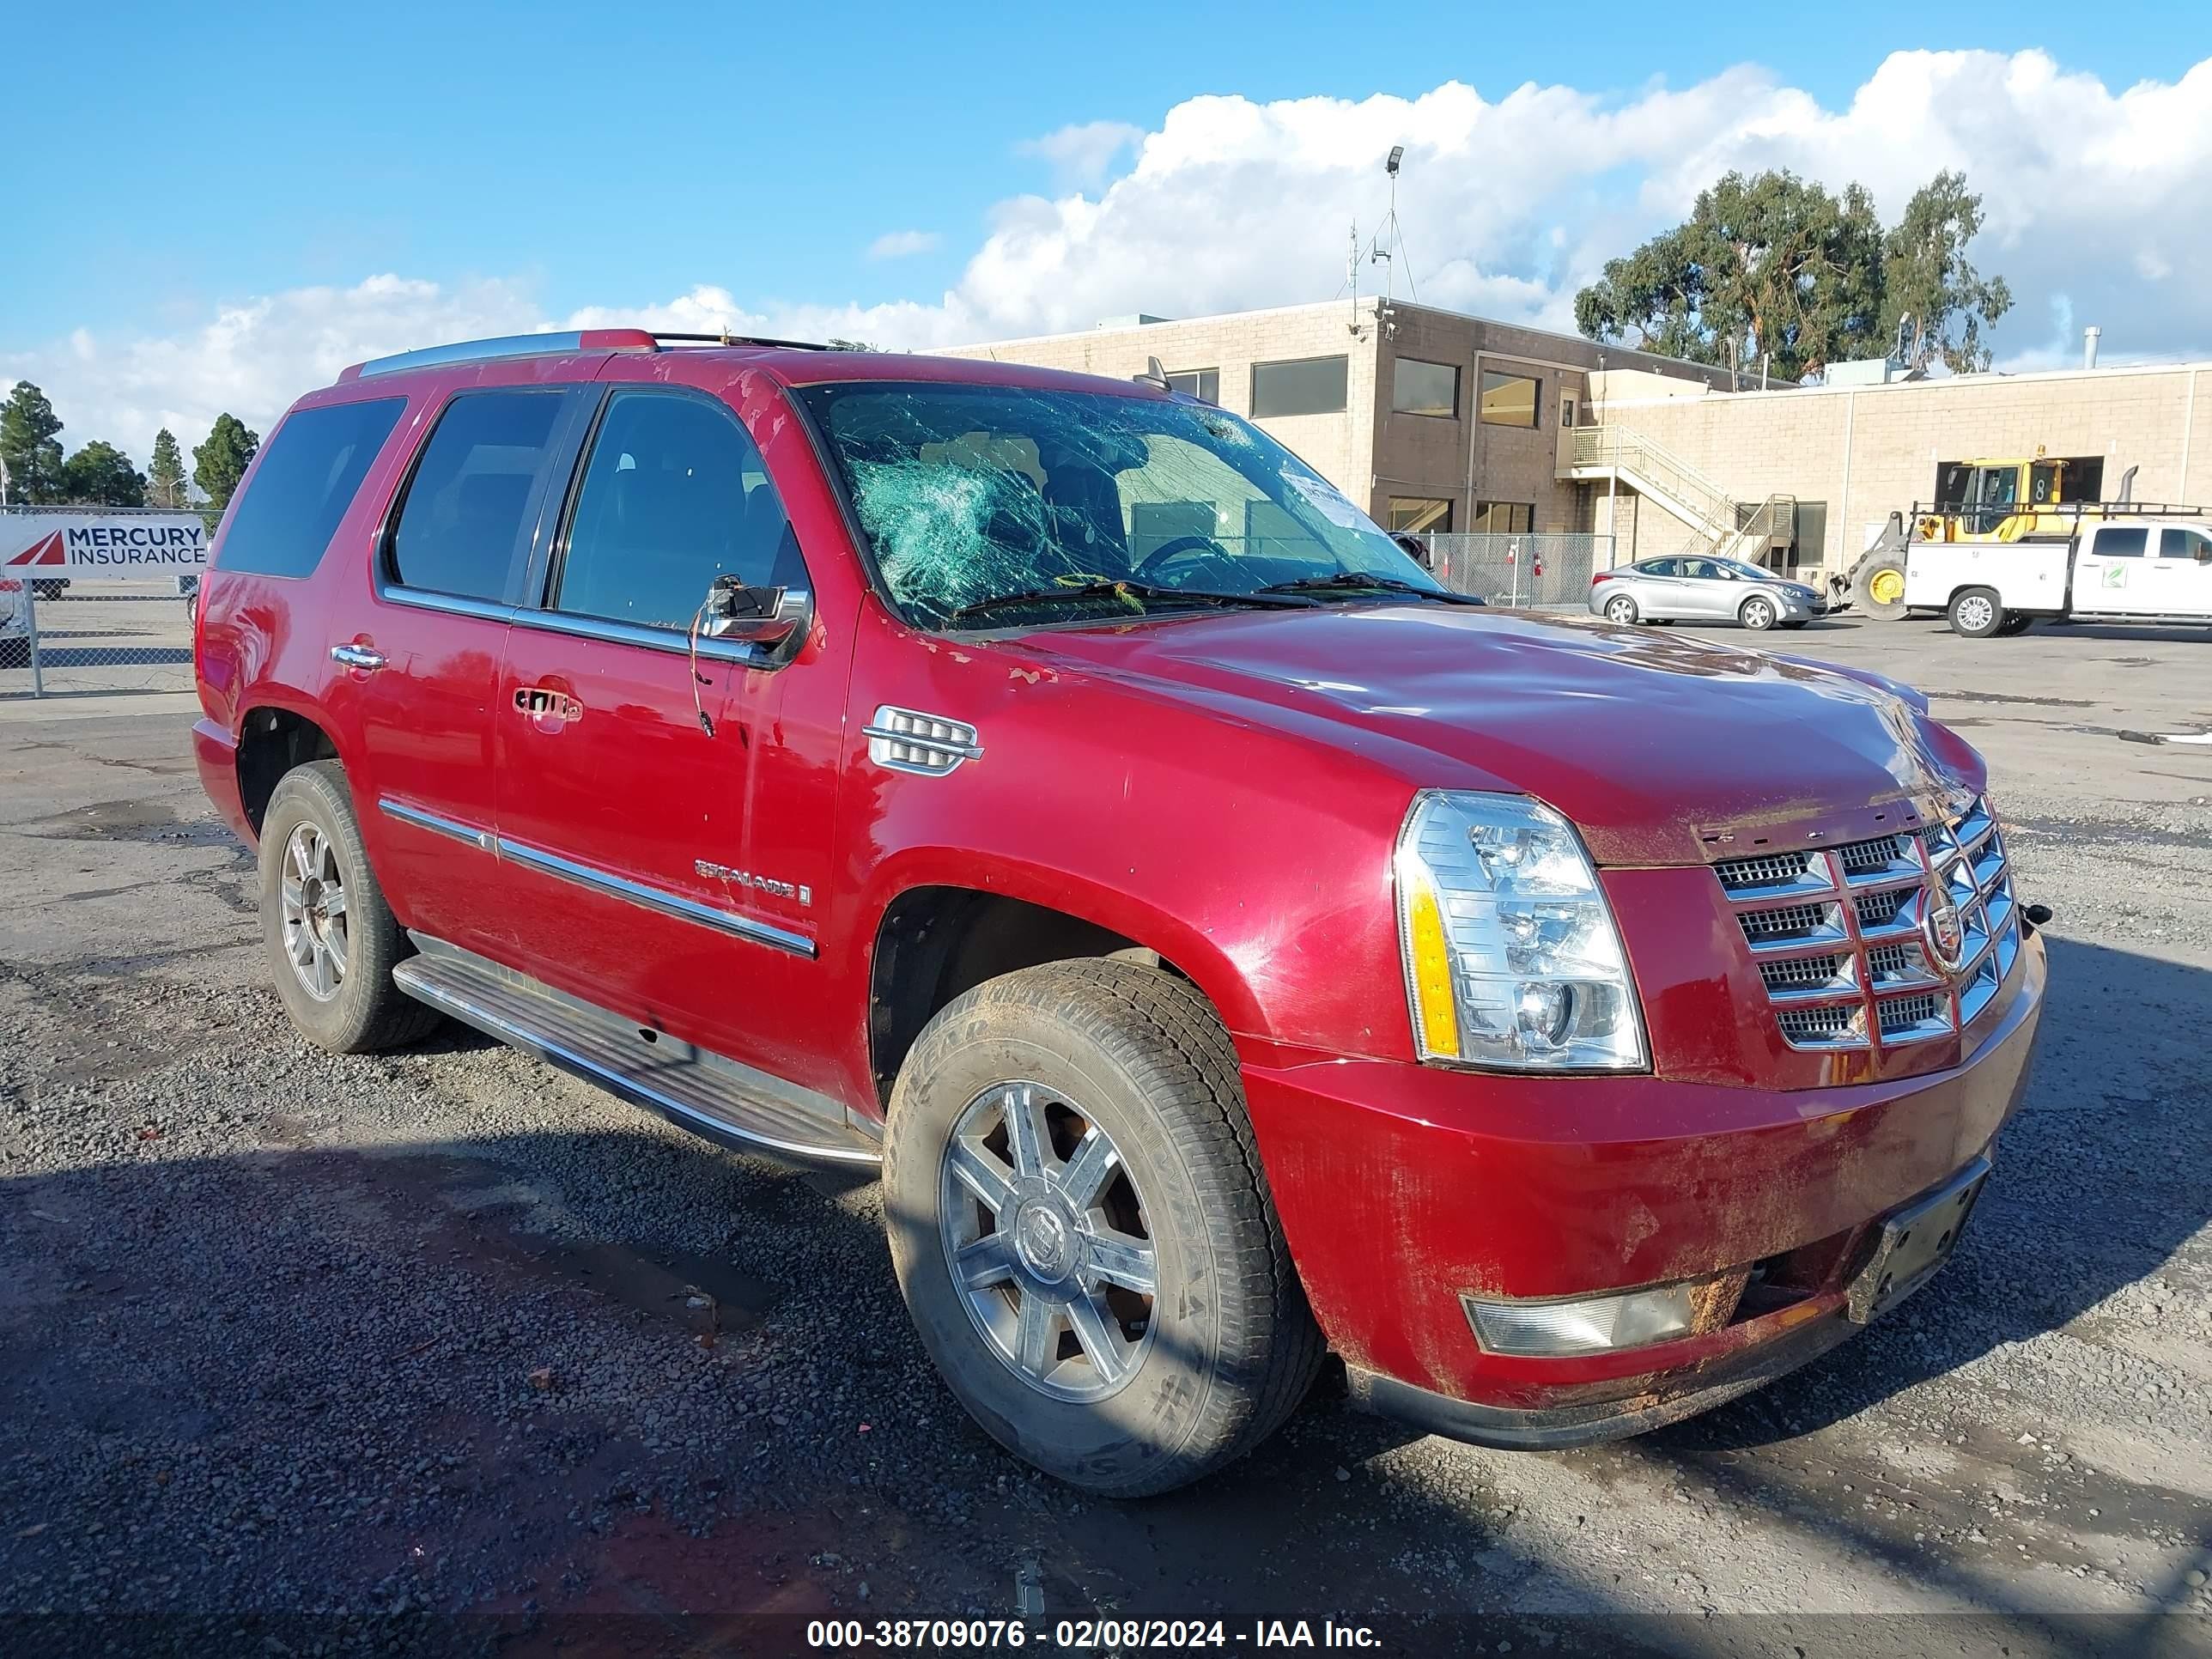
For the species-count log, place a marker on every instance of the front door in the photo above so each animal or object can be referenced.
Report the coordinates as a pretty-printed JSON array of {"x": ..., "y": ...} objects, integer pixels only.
[
  {"x": 2184, "y": 572},
  {"x": 1706, "y": 592},
  {"x": 2112, "y": 575},
  {"x": 666, "y": 797}
]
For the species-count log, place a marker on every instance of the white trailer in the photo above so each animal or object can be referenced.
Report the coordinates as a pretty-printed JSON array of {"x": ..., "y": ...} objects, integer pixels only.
[{"x": 2154, "y": 569}]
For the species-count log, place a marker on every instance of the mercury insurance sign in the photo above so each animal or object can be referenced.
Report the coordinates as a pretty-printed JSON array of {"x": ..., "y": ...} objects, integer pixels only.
[{"x": 92, "y": 543}]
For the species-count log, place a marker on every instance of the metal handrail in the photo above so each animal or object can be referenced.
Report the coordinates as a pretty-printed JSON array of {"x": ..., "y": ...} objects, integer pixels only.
[{"x": 1614, "y": 445}]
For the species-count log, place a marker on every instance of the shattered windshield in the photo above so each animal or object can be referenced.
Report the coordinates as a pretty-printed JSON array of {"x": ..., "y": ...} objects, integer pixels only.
[{"x": 1087, "y": 503}]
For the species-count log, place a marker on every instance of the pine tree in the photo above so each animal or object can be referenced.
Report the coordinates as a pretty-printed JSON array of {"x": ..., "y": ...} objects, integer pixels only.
[
  {"x": 165, "y": 478},
  {"x": 27, "y": 446},
  {"x": 100, "y": 475},
  {"x": 220, "y": 462}
]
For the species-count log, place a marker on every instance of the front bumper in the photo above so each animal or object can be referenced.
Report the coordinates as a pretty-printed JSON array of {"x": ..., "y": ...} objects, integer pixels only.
[{"x": 1402, "y": 1188}]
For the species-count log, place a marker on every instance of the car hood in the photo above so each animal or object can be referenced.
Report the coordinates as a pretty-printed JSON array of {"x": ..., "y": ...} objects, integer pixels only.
[{"x": 1656, "y": 745}]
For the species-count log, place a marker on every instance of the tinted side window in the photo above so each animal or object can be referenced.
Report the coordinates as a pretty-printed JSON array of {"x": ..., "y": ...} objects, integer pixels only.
[
  {"x": 674, "y": 495},
  {"x": 2117, "y": 543},
  {"x": 2175, "y": 543},
  {"x": 463, "y": 518},
  {"x": 308, "y": 477}
]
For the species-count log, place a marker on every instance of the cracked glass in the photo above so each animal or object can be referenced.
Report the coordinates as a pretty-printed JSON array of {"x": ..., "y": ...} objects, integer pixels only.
[{"x": 970, "y": 494}]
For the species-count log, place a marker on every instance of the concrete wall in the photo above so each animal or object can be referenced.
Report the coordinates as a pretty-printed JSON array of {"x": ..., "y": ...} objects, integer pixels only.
[{"x": 1866, "y": 451}]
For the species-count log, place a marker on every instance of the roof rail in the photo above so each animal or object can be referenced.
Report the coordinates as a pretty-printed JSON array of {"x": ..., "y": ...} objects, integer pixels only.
[
  {"x": 742, "y": 339},
  {"x": 553, "y": 344}
]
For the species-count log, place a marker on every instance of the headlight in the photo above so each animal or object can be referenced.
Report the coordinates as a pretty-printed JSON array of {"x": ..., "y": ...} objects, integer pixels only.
[{"x": 1511, "y": 956}]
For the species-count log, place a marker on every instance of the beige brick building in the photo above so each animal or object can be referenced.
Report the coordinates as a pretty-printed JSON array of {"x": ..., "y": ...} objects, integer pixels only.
[
  {"x": 1375, "y": 397},
  {"x": 1441, "y": 422}
]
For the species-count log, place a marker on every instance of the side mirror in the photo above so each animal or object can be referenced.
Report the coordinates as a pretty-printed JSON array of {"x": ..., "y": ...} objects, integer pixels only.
[{"x": 767, "y": 618}]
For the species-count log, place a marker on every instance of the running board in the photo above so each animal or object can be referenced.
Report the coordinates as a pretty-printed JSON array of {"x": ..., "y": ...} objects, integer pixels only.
[{"x": 704, "y": 1092}]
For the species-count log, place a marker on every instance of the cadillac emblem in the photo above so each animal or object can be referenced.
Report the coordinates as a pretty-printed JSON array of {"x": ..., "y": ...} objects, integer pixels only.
[{"x": 1944, "y": 929}]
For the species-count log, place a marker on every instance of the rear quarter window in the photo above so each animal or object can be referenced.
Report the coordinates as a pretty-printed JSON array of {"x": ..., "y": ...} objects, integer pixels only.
[{"x": 306, "y": 479}]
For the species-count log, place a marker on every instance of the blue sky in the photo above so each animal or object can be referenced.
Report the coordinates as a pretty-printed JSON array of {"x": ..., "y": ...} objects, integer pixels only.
[{"x": 590, "y": 157}]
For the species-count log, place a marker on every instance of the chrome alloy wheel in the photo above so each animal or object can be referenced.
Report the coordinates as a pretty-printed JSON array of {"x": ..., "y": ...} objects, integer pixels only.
[
  {"x": 1976, "y": 613},
  {"x": 1622, "y": 610},
  {"x": 1046, "y": 1238},
  {"x": 314, "y": 907}
]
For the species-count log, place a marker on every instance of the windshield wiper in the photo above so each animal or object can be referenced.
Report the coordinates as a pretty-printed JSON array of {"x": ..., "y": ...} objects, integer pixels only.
[
  {"x": 1360, "y": 582},
  {"x": 1103, "y": 588}
]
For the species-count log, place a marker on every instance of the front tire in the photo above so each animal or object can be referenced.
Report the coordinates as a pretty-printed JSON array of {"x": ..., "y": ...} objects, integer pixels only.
[
  {"x": 330, "y": 939},
  {"x": 1757, "y": 613},
  {"x": 1061, "y": 1139},
  {"x": 1878, "y": 587},
  {"x": 1976, "y": 613}
]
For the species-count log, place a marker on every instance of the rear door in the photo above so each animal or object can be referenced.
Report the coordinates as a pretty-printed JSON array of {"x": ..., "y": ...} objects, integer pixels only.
[
  {"x": 667, "y": 801},
  {"x": 2111, "y": 575},
  {"x": 424, "y": 662},
  {"x": 1657, "y": 592}
]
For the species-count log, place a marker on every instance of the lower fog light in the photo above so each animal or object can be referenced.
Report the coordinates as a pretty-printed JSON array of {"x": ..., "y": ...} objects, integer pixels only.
[{"x": 1589, "y": 1324}]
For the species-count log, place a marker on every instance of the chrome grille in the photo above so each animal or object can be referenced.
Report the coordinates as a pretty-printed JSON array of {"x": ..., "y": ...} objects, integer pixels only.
[
  {"x": 1841, "y": 934},
  {"x": 1767, "y": 871}
]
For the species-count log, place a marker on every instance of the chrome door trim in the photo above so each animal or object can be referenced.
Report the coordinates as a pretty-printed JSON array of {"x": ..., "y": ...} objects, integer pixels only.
[
  {"x": 453, "y": 604},
  {"x": 601, "y": 881},
  {"x": 655, "y": 898},
  {"x": 674, "y": 642},
  {"x": 483, "y": 839}
]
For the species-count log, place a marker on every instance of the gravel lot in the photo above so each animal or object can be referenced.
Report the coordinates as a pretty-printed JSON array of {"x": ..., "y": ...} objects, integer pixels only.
[{"x": 317, "y": 1352}]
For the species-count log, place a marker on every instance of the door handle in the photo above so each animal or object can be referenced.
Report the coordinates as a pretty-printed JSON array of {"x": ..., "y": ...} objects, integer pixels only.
[
  {"x": 546, "y": 706},
  {"x": 357, "y": 656}
]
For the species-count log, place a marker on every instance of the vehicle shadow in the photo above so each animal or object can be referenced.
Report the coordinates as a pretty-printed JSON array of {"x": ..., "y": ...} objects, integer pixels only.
[{"x": 726, "y": 1338}]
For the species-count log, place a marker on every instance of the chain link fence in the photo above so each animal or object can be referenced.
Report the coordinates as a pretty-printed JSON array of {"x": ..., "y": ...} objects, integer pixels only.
[
  {"x": 1532, "y": 572},
  {"x": 75, "y": 636}
]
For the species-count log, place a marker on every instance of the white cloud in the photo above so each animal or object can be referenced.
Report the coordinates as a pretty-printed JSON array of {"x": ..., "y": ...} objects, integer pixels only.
[
  {"x": 1082, "y": 155},
  {"x": 1509, "y": 205},
  {"x": 903, "y": 244}
]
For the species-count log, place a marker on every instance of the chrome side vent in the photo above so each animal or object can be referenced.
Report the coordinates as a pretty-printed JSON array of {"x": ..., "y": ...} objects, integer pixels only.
[{"x": 906, "y": 740}]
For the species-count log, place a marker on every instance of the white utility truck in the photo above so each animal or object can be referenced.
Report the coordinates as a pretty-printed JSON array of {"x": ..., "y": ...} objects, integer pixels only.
[{"x": 2154, "y": 568}]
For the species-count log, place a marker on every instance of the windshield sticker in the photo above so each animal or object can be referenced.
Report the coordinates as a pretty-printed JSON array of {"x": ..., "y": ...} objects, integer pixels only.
[{"x": 1324, "y": 500}]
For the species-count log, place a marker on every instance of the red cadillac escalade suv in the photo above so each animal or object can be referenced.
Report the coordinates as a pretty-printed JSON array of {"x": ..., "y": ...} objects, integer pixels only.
[{"x": 1232, "y": 945}]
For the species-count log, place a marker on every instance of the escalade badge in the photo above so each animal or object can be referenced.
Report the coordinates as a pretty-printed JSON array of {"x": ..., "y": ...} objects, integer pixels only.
[{"x": 1945, "y": 930}]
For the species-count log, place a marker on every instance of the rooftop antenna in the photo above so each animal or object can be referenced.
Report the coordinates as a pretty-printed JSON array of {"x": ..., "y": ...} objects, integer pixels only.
[
  {"x": 1351, "y": 276},
  {"x": 1392, "y": 232}
]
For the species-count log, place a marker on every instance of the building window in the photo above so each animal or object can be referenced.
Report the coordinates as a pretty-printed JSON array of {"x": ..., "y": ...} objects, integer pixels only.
[
  {"x": 1203, "y": 384},
  {"x": 1508, "y": 399},
  {"x": 1505, "y": 518},
  {"x": 1421, "y": 515},
  {"x": 1420, "y": 388},
  {"x": 1308, "y": 385}
]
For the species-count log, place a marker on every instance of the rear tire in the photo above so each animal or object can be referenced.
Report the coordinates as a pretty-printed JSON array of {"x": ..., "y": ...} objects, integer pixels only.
[
  {"x": 1757, "y": 613},
  {"x": 1197, "y": 1372},
  {"x": 1975, "y": 612},
  {"x": 1621, "y": 608},
  {"x": 2015, "y": 623},
  {"x": 330, "y": 939}
]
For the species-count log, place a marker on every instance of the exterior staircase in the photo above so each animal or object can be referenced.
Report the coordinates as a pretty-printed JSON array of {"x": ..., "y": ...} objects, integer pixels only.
[{"x": 1720, "y": 524}]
